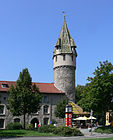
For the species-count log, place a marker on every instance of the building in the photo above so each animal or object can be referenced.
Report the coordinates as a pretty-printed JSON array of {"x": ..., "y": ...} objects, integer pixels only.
[{"x": 64, "y": 60}]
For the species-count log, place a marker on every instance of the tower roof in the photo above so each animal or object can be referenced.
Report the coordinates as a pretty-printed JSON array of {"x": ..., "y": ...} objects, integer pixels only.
[{"x": 65, "y": 40}]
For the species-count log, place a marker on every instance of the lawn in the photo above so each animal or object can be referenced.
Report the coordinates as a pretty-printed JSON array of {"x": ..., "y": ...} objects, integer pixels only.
[{"x": 15, "y": 133}]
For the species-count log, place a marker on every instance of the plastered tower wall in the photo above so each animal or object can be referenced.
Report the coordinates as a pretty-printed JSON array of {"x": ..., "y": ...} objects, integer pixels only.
[{"x": 64, "y": 59}]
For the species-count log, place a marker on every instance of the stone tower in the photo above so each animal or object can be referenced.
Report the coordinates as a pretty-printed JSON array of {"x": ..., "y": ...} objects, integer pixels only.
[{"x": 64, "y": 59}]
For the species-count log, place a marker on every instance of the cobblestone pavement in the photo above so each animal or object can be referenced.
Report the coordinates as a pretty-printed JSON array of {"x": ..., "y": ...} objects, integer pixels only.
[{"x": 87, "y": 135}]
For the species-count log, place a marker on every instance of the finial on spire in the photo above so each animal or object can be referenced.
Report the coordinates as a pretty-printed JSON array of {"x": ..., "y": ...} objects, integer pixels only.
[{"x": 64, "y": 14}]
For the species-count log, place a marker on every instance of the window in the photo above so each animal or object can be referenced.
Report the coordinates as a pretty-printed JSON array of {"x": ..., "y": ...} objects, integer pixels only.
[
  {"x": 64, "y": 57},
  {"x": 72, "y": 57},
  {"x": 1, "y": 123},
  {"x": 56, "y": 58},
  {"x": 5, "y": 98},
  {"x": 46, "y": 121},
  {"x": 45, "y": 99},
  {"x": 60, "y": 41},
  {"x": 46, "y": 109},
  {"x": 1, "y": 109},
  {"x": 17, "y": 120},
  {"x": 5, "y": 86}
]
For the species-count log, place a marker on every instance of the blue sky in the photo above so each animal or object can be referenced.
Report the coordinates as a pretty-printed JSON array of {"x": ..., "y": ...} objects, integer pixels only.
[{"x": 29, "y": 30}]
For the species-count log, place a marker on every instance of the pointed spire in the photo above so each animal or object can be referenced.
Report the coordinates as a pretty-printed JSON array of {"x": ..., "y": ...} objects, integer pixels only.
[
  {"x": 65, "y": 40},
  {"x": 64, "y": 14}
]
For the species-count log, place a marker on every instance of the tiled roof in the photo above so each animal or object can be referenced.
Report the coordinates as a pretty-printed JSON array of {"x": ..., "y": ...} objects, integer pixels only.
[
  {"x": 77, "y": 110},
  {"x": 65, "y": 40},
  {"x": 43, "y": 87}
]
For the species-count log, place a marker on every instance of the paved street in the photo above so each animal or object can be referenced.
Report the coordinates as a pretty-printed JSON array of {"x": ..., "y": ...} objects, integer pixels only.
[{"x": 85, "y": 131}]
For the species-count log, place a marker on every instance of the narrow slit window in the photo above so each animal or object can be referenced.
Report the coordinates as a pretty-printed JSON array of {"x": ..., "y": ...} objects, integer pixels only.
[
  {"x": 72, "y": 57},
  {"x": 64, "y": 57},
  {"x": 56, "y": 58}
]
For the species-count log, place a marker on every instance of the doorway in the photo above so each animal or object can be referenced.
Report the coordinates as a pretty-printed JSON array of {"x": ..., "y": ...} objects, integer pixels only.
[{"x": 35, "y": 121}]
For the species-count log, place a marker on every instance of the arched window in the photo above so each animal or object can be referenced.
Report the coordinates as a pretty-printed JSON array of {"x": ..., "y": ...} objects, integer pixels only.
[
  {"x": 17, "y": 120},
  {"x": 46, "y": 109}
]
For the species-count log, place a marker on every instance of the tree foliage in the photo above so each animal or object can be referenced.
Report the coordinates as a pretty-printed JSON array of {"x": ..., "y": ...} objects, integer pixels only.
[
  {"x": 78, "y": 92},
  {"x": 98, "y": 93},
  {"x": 60, "y": 108},
  {"x": 25, "y": 97}
]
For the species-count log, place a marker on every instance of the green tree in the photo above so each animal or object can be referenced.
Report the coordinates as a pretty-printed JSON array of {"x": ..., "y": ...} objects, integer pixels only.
[
  {"x": 60, "y": 108},
  {"x": 98, "y": 93},
  {"x": 78, "y": 92},
  {"x": 25, "y": 97}
]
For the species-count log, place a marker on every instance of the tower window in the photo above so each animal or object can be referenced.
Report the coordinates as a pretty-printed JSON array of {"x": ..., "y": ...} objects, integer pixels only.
[
  {"x": 60, "y": 41},
  {"x": 56, "y": 58},
  {"x": 72, "y": 57},
  {"x": 64, "y": 57}
]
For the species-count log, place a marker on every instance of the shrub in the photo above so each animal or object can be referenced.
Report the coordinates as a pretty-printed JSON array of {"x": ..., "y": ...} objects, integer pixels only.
[
  {"x": 76, "y": 132},
  {"x": 46, "y": 129},
  {"x": 53, "y": 122},
  {"x": 67, "y": 131},
  {"x": 60, "y": 130},
  {"x": 105, "y": 129},
  {"x": 14, "y": 125},
  {"x": 30, "y": 127}
]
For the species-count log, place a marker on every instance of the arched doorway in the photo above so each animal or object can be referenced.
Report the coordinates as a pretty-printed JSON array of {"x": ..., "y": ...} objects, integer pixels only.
[{"x": 35, "y": 121}]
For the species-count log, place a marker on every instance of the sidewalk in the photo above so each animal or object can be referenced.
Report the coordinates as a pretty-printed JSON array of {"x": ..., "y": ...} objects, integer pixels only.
[{"x": 94, "y": 134}]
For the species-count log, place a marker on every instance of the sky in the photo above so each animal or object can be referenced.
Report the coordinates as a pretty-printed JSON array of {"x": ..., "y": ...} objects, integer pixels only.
[{"x": 29, "y": 30}]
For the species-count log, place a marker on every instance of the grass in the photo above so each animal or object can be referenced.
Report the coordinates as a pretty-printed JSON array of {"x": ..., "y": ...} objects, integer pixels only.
[{"x": 19, "y": 133}]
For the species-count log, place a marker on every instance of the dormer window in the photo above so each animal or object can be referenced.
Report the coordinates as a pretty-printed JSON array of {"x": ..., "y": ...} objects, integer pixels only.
[
  {"x": 5, "y": 86},
  {"x": 72, "y": 48}
]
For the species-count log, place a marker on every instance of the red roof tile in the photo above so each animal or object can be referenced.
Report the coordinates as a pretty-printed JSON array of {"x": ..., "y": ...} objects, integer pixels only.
[{"x": 43, "y": 87}]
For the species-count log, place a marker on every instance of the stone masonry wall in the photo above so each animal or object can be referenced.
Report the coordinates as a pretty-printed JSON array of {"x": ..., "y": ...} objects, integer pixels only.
[
  {"x": 53, "y": 99},
  {"x": 64, "y": 79}
]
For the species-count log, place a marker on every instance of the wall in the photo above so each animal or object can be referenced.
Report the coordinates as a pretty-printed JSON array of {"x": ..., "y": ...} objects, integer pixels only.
[{"x": 53, "y": 99}]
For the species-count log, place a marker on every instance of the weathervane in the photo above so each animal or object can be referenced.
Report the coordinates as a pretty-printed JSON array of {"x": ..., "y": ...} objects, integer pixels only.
[{"x": 64, "y": 14}]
